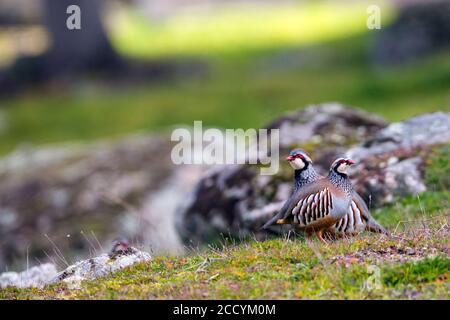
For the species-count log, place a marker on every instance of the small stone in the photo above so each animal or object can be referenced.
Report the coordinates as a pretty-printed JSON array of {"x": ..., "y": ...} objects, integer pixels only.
[
  {"x": 392, "y": 160},
  {"x": 99, "y": 266}
]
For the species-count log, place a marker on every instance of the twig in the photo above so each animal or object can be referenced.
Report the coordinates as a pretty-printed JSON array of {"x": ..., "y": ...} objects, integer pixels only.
[
  {"x": 213, "y": 277},
  {"x": 57, "y": 251},
  {"x": 90, "y": 243},
  {"x": 27, "y": 258},
  {"x": 419, "y": 220},
  {"x": 98, "y": 242},
  {"x": 50, "y": 258}
]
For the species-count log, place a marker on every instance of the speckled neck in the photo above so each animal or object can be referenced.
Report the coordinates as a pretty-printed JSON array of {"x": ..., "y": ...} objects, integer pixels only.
[
  {"x": 305, "y": 176},
  {"x": 341, "y": 181}
]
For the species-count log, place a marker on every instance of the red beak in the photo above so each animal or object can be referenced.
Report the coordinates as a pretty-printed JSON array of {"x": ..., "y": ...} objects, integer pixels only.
[
  {"x": 350, "y": 162},
  {"x": 290, "y": 158}
]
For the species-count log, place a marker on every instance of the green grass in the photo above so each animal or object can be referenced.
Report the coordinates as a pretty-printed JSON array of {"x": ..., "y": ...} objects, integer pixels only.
[
  {"x": 287, "y": 269},
  {"x": 425, "y": 205},
  {"x": 437, "y": 175},
  {"x": 245, "y": 86},
  {"x": 413, "y": 273},
  {"x": 273, "y": 269},
  {"x": 238, "y": 92},
  {"x": 412, "y": 208}
]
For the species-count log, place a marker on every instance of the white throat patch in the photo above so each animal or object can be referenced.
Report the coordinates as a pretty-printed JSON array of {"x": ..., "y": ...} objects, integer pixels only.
[
  {"x": 342, "y": 168},
  {"x": 297, "y": 164}
]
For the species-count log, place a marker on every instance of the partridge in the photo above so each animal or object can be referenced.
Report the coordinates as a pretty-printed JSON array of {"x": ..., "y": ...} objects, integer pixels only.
[
  {"x": 358, "y": 217},
  {"x": 317, "y": 206}
]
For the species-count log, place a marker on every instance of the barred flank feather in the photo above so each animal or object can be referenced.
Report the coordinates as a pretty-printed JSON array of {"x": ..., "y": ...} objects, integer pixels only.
[{"x": 313, "y": 207}]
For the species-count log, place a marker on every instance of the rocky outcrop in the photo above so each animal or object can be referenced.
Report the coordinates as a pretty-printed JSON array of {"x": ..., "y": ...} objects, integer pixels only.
[
  {"x": 237, "y": 200},
  {"x": 99, "y": 267},
  {"x": 407, "y": 136},
  {"x": 89, "y": 269},
  {"x": 390, "y": 164},
  {"x": 75, "y": 198}
]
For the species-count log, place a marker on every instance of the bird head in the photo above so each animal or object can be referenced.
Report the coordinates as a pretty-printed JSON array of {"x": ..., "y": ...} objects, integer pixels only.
[
  {"x": 298, "y": 159},
  {"x": 340, "y": 165}
]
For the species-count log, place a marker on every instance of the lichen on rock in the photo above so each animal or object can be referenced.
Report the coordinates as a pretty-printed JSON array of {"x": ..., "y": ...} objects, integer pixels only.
[
  {"x": 99, "y": 266},
  {"x": 89, "y": 269}
]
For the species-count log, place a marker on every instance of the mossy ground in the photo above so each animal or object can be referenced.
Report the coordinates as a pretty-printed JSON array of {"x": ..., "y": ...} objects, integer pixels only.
[
  {"x": 412, "y": 263},
  {"x": 282, "y": 269}
]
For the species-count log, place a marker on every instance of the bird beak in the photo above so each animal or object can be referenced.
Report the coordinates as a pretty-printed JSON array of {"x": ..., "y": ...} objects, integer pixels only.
[
  {"x": 350, "y": 162},
  {"x": 290, "y": 158}
]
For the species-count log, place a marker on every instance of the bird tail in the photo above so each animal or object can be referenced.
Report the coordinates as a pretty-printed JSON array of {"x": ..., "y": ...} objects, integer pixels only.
[
  {"x": 273, "y": 220},
  {"x": 280, "y": 217},
  {"x": 373, "y": 226}
]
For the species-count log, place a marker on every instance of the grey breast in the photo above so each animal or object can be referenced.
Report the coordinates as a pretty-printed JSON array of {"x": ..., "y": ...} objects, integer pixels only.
[{"x": 340, "y": 207}]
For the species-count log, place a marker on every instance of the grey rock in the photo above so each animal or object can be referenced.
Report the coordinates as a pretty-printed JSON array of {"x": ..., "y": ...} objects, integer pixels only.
[
  {"x": 84, "y": 195},
  {"x": 36, "y": 276},
  {"x": 389, "y": 165},
  {"x": 159, "y": 209},
  {"x": 417, "y": 132},
  {"x": 89, "y": 269},
  {"x": 404, "y": 178},
  {"x": 326, "y": 124},
  {"x": 386, "y": 184},
  {"x": 99, "y": 266}
]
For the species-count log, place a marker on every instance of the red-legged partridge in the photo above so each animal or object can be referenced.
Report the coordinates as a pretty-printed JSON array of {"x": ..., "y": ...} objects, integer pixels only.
[
  {"x": 358, "y": 217},
  {"x": 317, "y": 206}
]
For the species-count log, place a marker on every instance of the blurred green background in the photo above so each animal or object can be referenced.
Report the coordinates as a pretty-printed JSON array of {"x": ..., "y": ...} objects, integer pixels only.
[{"x": 238, "y": 64}]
